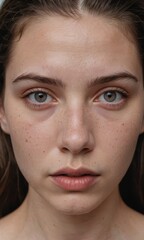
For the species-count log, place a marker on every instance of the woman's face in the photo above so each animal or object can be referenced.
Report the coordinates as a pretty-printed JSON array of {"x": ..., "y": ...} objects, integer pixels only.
[{"x": 73, "y": 101}]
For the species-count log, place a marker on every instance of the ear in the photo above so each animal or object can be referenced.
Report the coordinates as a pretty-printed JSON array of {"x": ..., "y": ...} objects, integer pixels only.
[{"x": 3, "y": 120}]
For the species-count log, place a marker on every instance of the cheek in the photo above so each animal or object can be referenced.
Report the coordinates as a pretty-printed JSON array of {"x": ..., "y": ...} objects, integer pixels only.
[
  {"x": 119, "y": 143},
  {"x": 32, "y": 144}
]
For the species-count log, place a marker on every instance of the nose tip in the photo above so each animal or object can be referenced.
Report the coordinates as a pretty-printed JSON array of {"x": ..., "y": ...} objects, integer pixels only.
[
  {"x": 76, "y": 146},
  {"x": 77, "y": 141}
]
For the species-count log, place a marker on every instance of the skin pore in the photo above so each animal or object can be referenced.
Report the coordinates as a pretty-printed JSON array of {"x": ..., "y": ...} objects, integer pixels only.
[{"x": 73, "y": 98}]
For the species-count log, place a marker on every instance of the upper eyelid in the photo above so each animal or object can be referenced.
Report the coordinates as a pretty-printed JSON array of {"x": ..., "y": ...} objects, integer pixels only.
[
  {"x": 112, "y": 105},
  {"x": 114, "y": 89},
  {"x": 52, "y": 94},
  {"x": 27, "y": 93},
  {"x": 120, "y": 90},
  {"x": 33, "y": 90},
  {"x": 38, "y": 105}
]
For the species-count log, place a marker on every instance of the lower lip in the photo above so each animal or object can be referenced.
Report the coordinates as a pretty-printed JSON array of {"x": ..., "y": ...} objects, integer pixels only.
[{"x": 74, "y": 183}]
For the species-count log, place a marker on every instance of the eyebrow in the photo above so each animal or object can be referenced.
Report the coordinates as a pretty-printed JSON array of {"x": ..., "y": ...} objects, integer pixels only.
[
  {"x": 58, "y": 83},
  {"x": 111, "y": 78},
  {"x": 39, "y": 78}
]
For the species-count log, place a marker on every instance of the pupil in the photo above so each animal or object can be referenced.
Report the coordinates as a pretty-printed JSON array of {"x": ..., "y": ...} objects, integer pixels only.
[
  {"x": 110, "y": 96},
  {"x": 40, "y": 97}
]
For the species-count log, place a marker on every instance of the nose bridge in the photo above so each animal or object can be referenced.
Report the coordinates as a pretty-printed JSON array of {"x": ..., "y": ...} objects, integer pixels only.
[
  {"x": 76, "y": 135},
  {"x": 76, "y": 123}
]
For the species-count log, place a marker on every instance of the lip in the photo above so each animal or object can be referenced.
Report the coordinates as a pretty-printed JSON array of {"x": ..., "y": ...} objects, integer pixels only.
[{"x": 74, "y": 179}]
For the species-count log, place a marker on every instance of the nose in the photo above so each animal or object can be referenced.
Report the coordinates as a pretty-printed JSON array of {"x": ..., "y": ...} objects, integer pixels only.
[{"x": 75, "y": 135}]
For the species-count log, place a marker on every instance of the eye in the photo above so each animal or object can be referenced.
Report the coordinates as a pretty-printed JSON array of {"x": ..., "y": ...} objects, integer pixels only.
[
  {"x": 39, "y": 97},
  {"x": 112, "y": 97}
]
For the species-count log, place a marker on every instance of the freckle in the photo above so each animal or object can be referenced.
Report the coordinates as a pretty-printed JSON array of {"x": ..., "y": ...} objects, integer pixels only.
[
  {"x": 43, "y": 151},
  {"x": 26, "y": 140}
]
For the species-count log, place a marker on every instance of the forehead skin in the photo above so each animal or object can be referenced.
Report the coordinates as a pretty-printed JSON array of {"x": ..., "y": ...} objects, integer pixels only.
[{"x": 92, "y": 40}]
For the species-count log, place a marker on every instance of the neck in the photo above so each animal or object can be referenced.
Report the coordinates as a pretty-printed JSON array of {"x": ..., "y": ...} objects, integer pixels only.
[{"x": 48, "y": 223}]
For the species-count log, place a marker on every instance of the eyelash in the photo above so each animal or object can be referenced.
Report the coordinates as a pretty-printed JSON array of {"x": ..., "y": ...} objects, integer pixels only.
[
  {"x": 108, "y": 105},
  {"x": 112, "y": 105},
  {"x": 39, "y": 105}
]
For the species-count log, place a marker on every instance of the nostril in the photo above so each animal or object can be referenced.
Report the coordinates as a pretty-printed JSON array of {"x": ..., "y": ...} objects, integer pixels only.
[
  {"x": 82, "y": 151},
  {"x": 64, "y": 150},
  {"x": 80, "y": 142},
  {"x": 86, "y": 150}
]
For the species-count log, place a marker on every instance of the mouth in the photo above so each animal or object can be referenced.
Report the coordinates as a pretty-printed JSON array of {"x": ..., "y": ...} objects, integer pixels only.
[
  {"x": 74, "y": 179},
  {"x": 74, "y": 172}
]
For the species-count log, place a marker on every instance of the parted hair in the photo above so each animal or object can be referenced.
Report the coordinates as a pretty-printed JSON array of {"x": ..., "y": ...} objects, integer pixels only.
[{"x": 14, "y": 17}]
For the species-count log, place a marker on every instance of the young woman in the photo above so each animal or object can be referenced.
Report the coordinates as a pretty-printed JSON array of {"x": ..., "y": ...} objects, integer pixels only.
[{"x": 72, "y": 120}]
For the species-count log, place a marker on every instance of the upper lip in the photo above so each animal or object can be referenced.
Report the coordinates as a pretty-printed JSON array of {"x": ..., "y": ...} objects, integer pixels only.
[{"x": 74, "y": 172}]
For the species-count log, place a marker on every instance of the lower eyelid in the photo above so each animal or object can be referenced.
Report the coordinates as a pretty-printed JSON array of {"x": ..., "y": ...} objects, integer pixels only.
[
  {"x": 34, "y": 104},
  {"x": 112, "y": 105},
  {"x": 39, "y": 106}
]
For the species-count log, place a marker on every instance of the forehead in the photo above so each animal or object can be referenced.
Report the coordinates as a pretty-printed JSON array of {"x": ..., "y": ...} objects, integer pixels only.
[
  {"x": 84, "y": 31},
  {"x": 54, "y": 41}
]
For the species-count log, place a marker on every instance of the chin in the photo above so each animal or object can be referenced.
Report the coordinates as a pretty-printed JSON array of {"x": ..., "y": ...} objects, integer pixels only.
[{"x": 74, "y": 205}]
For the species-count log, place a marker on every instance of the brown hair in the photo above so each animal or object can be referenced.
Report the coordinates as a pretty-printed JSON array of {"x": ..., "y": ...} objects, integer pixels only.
[{"x": 14, "y": 16}]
